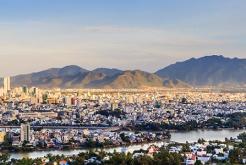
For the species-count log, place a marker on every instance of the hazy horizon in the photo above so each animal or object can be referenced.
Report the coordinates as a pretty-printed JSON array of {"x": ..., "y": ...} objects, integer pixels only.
[
  {"x": 108, "y": 67},
  {"x": 129, "y": 34}
]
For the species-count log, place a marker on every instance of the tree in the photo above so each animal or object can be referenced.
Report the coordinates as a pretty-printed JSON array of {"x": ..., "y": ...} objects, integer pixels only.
[
  {"x": 120, "y": 159},
  {"x": 201, "y": 141},
  {"x": 7, "y": 141},
  {"x": 4, "y": 158},
  {"x": 124, "y": 138},
  {"x": 26, "y": 161},
  {"x": 186, "y": 147},
  {"x": 24, "y": 143},
  {"x": 198, "y": 162},
  {"x": 234, "y": 155},
  {"x": 164, "y": 157},
  {"x": 242, "y": 136},
  {"x": 143, "y": 160}
]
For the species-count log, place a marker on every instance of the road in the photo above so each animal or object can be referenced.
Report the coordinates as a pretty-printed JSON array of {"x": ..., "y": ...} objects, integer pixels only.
[{"x": 64, "y": 127}]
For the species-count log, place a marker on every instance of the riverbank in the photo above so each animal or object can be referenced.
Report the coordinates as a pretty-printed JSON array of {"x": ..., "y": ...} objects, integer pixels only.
[
  {"x": 201, "y": 152},
  {"x": 181, "y": 137},
  {"x": 21, "y": 150},
  {"x": 123, "y": 139}
]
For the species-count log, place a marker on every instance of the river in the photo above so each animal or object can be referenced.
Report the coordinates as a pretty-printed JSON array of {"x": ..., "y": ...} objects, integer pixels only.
[{"x": 182, "y": 137}]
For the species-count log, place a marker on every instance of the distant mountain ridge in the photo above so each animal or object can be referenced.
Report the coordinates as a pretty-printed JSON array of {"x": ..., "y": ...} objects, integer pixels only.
[
  {"x": 76, "y": 77},
  {"x": 209, "y": 70}
]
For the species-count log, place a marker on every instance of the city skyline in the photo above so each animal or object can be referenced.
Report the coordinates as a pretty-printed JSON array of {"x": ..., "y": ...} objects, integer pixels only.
[{"x": 36, "y": 35}]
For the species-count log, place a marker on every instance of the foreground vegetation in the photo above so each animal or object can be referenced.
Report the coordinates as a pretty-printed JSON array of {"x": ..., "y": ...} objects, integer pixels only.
[{"x": 163, "y": 157}]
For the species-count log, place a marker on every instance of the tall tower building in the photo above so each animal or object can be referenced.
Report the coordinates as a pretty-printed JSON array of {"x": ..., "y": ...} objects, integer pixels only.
[
  {"x": 25, "y": 132},
  {"x": 6, "y": 85},
  {"x": 1, "y": 92}
]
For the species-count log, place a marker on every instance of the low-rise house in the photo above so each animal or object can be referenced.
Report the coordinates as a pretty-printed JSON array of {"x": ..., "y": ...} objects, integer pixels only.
[{"x": 190, "y": 158}]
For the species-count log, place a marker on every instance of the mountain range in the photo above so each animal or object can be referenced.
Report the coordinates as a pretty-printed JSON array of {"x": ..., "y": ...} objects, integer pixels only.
[
  {"x": 208, "y": 70},
  {"x": 75, "y": 77}
]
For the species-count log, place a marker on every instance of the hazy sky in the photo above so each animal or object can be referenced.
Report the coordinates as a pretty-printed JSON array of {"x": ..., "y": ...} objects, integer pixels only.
[{"x": 126, "y": 34}]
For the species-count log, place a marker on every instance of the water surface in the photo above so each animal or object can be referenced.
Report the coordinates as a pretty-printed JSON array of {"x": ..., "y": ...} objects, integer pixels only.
[{"x": 182, "y": 137}]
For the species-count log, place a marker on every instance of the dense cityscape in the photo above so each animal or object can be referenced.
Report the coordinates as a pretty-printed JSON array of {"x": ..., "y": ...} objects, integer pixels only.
[{"x": 64, "y": 119}]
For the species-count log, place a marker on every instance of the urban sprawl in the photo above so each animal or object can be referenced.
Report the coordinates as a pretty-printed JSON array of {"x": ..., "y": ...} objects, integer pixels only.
[{"x": 54, "y": 119}]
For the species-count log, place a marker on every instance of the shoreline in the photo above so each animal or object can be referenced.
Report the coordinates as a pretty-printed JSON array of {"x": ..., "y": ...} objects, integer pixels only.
[
  {"x": 206, "y": 129},
  {"x": 112, "y": 146},
  {"x": 85, "y": 148}
]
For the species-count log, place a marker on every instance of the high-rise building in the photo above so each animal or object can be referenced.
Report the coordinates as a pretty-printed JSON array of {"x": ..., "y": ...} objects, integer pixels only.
[
  {"x": 6, "y": 85},
  {"x": 25, "y": 132},
  {"x": 1, "y": 92},
  {"x": 25, "y": 89},
  {"x": 2, "y": 136},
  {"x": 35, "y": 91}
]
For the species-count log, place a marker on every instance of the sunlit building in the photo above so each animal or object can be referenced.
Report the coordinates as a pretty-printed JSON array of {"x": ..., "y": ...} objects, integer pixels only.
[{"x": 6, "y": 85}]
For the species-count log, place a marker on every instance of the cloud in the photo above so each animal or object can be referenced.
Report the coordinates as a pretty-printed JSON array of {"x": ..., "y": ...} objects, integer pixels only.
[{"x": 126, "y": 47}]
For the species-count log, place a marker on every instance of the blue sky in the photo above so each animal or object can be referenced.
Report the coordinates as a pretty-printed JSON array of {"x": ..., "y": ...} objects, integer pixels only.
[{"x": 126, "y": 34}]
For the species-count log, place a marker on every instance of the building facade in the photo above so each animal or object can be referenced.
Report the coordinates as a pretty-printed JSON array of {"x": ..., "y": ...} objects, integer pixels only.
[
  {"x": 6, "y": 85},
  {"x": 25, "y": 132}
]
